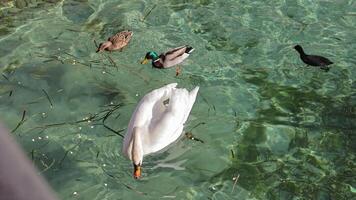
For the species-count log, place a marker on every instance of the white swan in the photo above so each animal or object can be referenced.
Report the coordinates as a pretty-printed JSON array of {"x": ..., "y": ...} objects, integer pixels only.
[{"x": 157, "y": 122}]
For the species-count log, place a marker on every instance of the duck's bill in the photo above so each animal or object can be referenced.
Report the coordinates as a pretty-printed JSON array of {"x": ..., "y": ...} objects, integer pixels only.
[
  {"x": 144, "y": 61},
  {"x": 137, "y": 171},
  {"x": 99, "y": 48}
]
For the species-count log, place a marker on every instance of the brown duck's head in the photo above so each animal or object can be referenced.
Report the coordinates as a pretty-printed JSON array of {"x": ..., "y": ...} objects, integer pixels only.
[
  {"x": 128, "y": 34},
  {"x": 103, "y": 46},
  {"x": 125, "y": 37}
]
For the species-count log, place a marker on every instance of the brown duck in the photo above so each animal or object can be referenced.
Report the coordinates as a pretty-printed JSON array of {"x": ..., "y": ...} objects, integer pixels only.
[{"x": 116, "y": 42}]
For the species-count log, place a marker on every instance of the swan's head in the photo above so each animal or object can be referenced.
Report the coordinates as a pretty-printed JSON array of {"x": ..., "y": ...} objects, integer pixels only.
[
  {"x": 137, "y": 162},
  {"x": 137, "y": 171},
  {"x": 136, "y": 152}
]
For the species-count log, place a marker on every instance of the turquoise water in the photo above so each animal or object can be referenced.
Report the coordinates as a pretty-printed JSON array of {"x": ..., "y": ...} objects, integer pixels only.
[{"x": 274, "y": 128}]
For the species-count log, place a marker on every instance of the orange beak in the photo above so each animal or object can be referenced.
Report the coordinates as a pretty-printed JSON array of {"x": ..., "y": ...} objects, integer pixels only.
[
  {"x": 137, "y": 171},
  {"x": 144, "y": 61}
]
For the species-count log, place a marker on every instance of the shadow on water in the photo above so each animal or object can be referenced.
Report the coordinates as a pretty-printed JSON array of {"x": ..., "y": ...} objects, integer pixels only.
[
  {"x": 317, "y": 162},
  {"x": 69, "y": 166},
  {"x": 62, "y": 143}
]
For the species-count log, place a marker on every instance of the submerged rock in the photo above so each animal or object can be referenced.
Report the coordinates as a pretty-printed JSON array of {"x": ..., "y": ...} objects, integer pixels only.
[
  {"x": 77, "y": 11},
  {"x": 24, "y": 3}
]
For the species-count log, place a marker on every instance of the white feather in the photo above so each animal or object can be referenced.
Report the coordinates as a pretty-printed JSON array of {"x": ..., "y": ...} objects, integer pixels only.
[{"x": 159, "y": 124}]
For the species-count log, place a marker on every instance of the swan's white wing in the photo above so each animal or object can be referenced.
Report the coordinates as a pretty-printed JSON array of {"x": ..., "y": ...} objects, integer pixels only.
[
  {"x": 192, "y": 97},
  {"x": 169, "y": 126},
  {"x": 143, "y": 113}
]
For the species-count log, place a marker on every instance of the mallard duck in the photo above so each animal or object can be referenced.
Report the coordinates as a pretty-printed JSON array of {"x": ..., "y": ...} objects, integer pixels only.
[
  {"x": 157, "y": 122},
  {"x": 313, "y": 60},
  {"x": 116, "y": 42},
  {"x": 168, "y": 59}
]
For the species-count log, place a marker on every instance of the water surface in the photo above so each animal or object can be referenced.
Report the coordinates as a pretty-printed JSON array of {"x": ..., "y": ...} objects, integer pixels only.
[{"x": 287, "y": 131}]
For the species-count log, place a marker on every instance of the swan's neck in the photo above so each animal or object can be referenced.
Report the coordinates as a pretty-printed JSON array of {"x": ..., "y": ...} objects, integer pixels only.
[{"x": 137, "y": 151}]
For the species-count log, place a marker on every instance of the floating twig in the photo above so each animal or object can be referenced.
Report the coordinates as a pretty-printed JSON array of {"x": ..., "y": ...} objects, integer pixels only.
[
  {"x": 232, "y": 153},
  {"x": 200, "y": 123},
  {"x": 21, "y": 122},
  {"x": 71, "y": 55},
  {"x": 5, "y": 77},
  {"x": 207, "y": 102},
  {"x": 96, "y": 44},
  {"x": 190, "y": 136},
  {"x": 49, "y": 60},
  {"x": 48, "y": 98},
  {"x": 112, "y": 130},
  {"x": 112, "y": 62},
  {"x": 66, "y": 153},
  {"x": 235, "y": 179},
  {"x": 100, "y": 116},
  {"x": 148, "y": 13},
  {"x": 33, "y": 155},
  {"x": 336, "y": 38},
  {"x": 107, "y": 127},
  {"x": 47, "y": 166},
  {"x": 74, "y": 30}
]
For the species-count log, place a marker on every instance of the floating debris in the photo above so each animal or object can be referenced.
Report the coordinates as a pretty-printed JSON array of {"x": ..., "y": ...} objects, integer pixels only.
[
  {"x": 5, "y": 77},
  {"x": 68, "y": 151},
  {"x": 148, "y": 13},
  {"x": 21, "y": 122},
  {"x": 232, "y": 153},
  {"x": 190, "y": 136},
  {"x": 235, "y": 179},
  {"x": 48, "y": 98}
]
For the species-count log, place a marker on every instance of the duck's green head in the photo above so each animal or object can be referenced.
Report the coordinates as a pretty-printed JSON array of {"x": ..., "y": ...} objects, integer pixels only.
[{"x": 150, "y": 56}]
